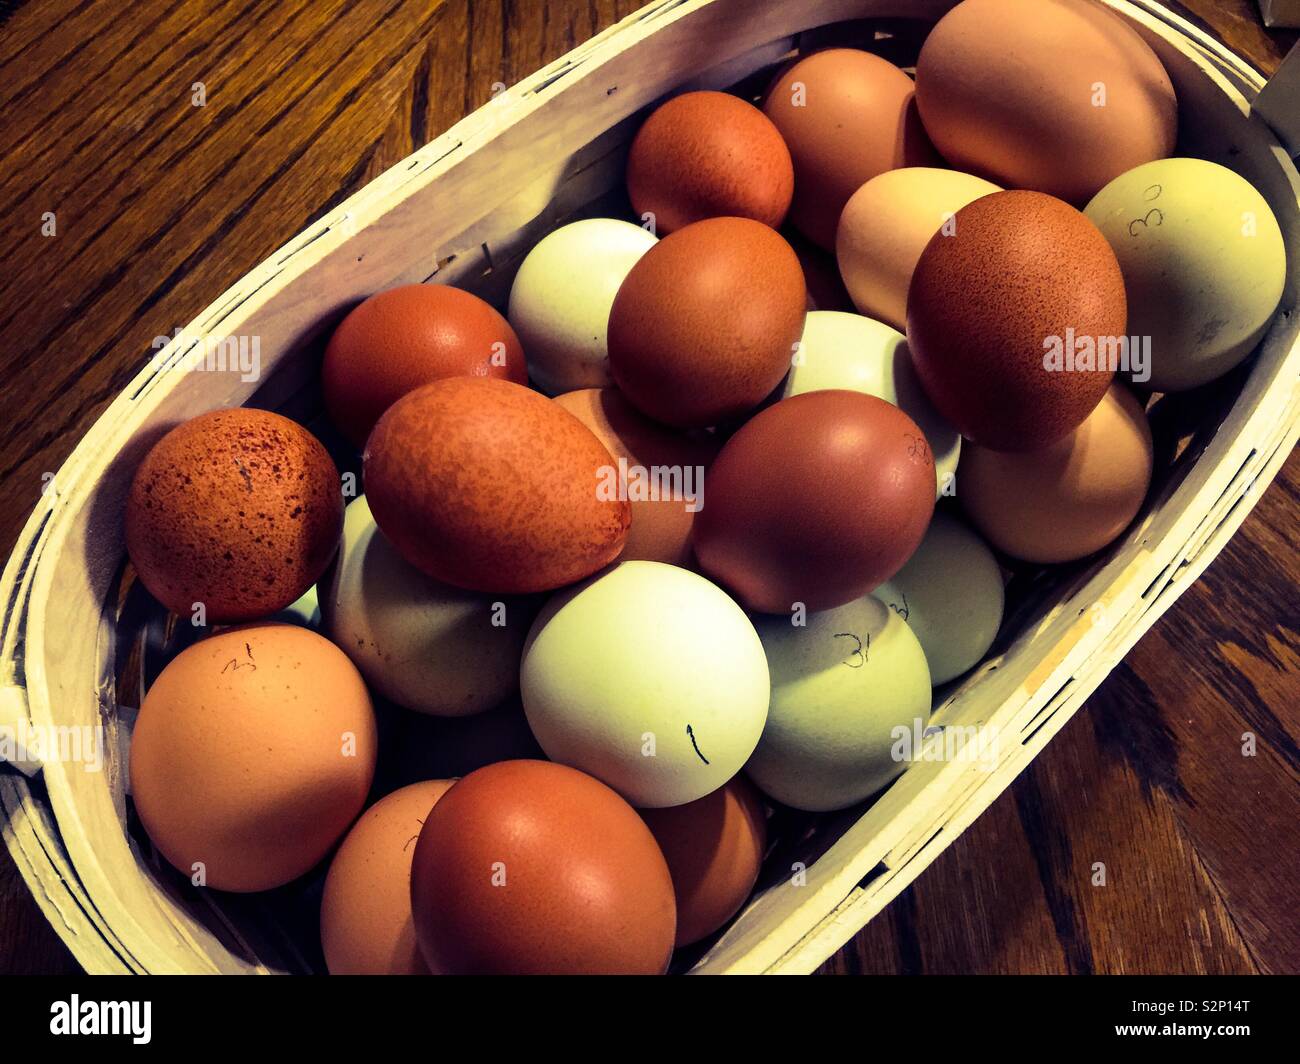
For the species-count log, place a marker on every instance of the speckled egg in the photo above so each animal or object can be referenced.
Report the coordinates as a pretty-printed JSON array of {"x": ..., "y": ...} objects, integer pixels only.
[
  {"x": 1010, "y": 315},
  {"x": 488, "y": 486},
  {"x": 708, "y": 155},
  {"x": 238, "y": 510}
]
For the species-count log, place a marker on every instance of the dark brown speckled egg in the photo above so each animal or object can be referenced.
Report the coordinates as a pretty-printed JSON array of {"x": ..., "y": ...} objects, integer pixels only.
[
  {"x": 240, "y": 510},
  {"x": 1010, "y": 315},
  {"x": 487, "y": 485}
]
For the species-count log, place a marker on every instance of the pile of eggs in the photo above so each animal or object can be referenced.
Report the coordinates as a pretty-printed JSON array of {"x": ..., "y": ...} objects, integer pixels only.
[{"x": 683, "y": 646}]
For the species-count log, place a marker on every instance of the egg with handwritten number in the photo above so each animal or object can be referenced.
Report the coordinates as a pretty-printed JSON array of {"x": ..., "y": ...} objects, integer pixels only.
[
  {"x": 648, "y": 677},
  {"x": 850, "y": 691},
  {"x": 1203, "y": 262}
]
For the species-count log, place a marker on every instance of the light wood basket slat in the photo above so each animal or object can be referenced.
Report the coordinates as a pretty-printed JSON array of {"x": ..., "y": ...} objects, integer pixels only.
[{"x": 464, "y": 209}]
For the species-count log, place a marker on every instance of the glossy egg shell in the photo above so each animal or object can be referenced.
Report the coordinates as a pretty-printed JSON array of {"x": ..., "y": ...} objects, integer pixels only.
[
  {"x": 532, "y": 868},
  {"x": 486, "y": 485},
  {"x": 400, "y": 339},
  {"x": 705, "y": 324},
  {"x": 239, "y": 510},
  {"x": 816, "y": 500},
  {"x": 1018, "y": 270}
]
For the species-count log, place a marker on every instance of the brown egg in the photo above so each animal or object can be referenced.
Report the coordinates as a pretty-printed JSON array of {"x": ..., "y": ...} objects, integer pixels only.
[
  {"x": 252, "y": 753},
  {"x": 665, "y": 472},
  {"x": 405, "y": 337},
  {"x": 532, "y": 868},
  {"x": 1019, "y": 278},
  {"x": 704, "y": 326},
  {"x": 846, "y": 115},
  {"x": 714, "y": 847},
  {"x": 817, "y": 500},
  {"x": 489, "y": 486},
  {"x": 239, "y": 510},
  {"x": 707, "y": 155},
  {"x": 1071, "y": 498},
  {"x": 365, "y": 916},
  {"x": 1060, "y": 101}
]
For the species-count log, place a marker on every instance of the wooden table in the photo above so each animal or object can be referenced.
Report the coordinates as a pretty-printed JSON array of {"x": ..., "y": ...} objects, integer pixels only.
[{"x": 159, "y": 205}]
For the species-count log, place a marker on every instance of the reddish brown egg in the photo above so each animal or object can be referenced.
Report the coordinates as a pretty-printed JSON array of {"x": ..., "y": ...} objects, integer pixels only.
[
  {"x": 405, "y": 337},
  {"x": 489, "y": 486},
  {"x": 714, "y": 847},
  {"x": 817, "y": 500},
  {"x": 663, "y": 474},
  {"x": 365, "y": 916},
  {"x": 239, "y": 510},
  {"x": 846, "y": 115},
  {"x": 1019, "y": 279},
  {"x": 708, "y": 155},
  {"x": 704, "y": 326},
  {"x": 531, "y": 868}
]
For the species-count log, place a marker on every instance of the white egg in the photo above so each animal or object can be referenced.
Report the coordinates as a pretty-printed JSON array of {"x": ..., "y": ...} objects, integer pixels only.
[
  {"x": 649, "y": 678},
  {"x": 562, "y": 295},
  {"x": 847, "y": 687},
  {"x": 950, "y": 593},
  {"x": 1204, "y": 264},
  {"x": 860, "y": 354},
  {"x": 421, "y": 643}
]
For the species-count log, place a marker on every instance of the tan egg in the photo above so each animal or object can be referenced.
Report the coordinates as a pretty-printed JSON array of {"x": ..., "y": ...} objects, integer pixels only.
[
  {"x": 714, "y": 847},
  {"x": 239, "y": 510},
  {"x": 1070, "y": 499},
  {"x": 664, "y": 478},
  {"x": 365, "y": 917},
  {"x": 253, "y": 752},
  {"x": 1058, "y": 96},
  {"x": 846, "y": 115},
  {"x": 885, "y": 227}
]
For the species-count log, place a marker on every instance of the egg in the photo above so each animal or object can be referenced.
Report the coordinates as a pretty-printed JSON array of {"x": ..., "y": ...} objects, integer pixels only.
[
  {"x": 237, "y": 511},
  {"x": 531, "y": 868},
  {"x": 561, "y": 298},
  {"x": 649, "y": 678},
  {"x": 704, "y": 326},
  {"x": 365, "y": 920},
  {"x": 950, "y": 593},
  {"x": 252, "y": 754},
  {"x": 714, "y": 847},
  {"x": 662, "y": 475},
  {"x": 1204, "y": 264},
  {"x": 1067, "y": 500},
  {"x": 1058, "y": 101},
  {"x": 849, "y": 690},
  {"x": 1010, "y": 315},
  {"x": 848, "y": 351},
  {"x": 885, "y": 227},
  {"x": 846, "y": 115},
  {"x": 488, "y": 486},
  {"x": 708, "y": 155},
  {"x": 423, "y": 644},
  {"x": 406, "y": 337},
  {"x": 815, "y": 501}
]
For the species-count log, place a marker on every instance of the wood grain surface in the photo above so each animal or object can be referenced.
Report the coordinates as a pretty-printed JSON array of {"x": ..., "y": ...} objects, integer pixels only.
[{"x": 160, "y": 204}]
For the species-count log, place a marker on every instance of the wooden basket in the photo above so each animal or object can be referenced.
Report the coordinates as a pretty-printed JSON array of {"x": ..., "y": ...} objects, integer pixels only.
[{"x": 464, "y": 209}]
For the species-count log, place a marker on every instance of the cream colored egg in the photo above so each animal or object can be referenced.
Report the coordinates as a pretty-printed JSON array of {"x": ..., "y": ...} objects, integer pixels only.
[
  {"x": 950, "y": 593},
  {"x": 420, "y": 643},
  {"x": 839, "y": 350},
  {"x": 1203, "y": 262},
  {"x": 648, "y": 677},
  {"x": 885, "y": 227},
  {"x": 562, "y": 295},
  {"x": 849, "y": 689}
]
